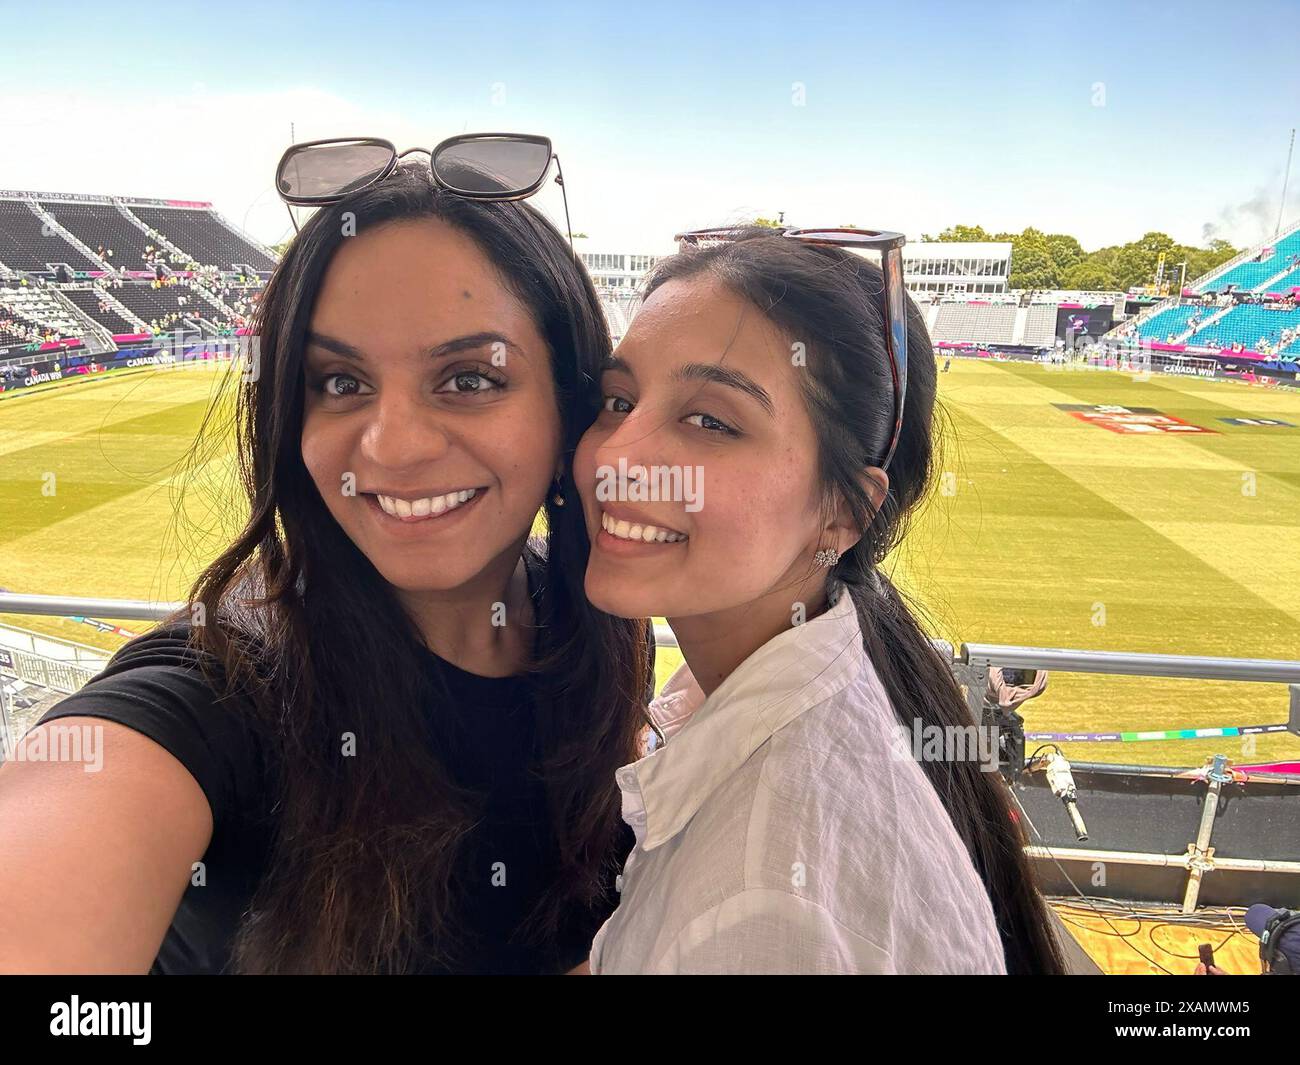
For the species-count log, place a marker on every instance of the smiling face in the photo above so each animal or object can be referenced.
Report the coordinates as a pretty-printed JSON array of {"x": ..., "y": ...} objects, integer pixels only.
[
  {"x": 428, "y": 382},
  {"x": 704, "y": 385}
]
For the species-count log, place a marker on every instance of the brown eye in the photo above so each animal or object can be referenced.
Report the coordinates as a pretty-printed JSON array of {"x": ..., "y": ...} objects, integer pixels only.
[
  {"x": 469, "y": 382},
  {"x": 337, "y": 385},
  {"x": 340, "y": 384},
  {"x": 711, "y": 424}
]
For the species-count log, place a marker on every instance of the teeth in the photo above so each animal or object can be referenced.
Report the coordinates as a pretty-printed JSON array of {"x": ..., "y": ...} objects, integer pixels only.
[
  {"x": 626, "y": 530},
  {"x": 428, "y": 507}
]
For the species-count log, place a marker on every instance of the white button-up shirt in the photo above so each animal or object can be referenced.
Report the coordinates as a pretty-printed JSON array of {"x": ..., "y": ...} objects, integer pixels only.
[{"x": 778, "y": 830}]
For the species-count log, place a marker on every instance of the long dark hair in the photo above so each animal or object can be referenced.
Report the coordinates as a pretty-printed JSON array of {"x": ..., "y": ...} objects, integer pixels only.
[
  {"x": 299, "y": 620},
  {"x": 833, "y": 302}
]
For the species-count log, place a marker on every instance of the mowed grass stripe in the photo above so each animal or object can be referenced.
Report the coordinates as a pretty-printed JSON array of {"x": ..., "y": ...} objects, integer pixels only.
[
  {"x": 91, "y": 467},
  {"x": 113, "y": 527},
  {"x": 1235, "y": 519},
  {"x": 1022, "y": 551},
  {"x": 83, "y": 406},
  {"x": 1267, "y": 451}
]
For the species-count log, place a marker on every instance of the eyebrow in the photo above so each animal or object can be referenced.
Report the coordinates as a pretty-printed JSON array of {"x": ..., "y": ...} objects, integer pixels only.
[
  {"x": 469, "y": 342},
  {"x": 708, "y": 372}
]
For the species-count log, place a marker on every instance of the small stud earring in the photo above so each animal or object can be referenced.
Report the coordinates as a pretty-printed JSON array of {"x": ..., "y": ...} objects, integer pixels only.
[
  {"x": 558, "y": 496},
  {"x": 826, "y": 557}
]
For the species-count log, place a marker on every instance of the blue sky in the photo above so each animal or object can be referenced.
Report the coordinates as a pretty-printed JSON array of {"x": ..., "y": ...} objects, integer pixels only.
[{"x": 1101, "y": 120}]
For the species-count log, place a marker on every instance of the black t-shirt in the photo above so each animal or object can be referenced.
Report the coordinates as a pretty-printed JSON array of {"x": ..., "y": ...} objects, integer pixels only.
[{"x": 154, "y": 685}]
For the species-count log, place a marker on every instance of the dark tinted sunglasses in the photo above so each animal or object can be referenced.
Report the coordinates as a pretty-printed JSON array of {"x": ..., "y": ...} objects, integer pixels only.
[{"x": 480, "y": 166}]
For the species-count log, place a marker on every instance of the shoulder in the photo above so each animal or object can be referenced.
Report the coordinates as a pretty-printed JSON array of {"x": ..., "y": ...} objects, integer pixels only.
[{"x": 162, "y": 685}]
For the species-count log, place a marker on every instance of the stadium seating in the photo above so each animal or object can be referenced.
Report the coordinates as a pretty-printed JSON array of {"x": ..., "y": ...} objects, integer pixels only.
[
  {"x": 150, "y": 303},
  {"x": 102, "y": 224},
  {"x": 24, "y": 247},
  {"x": 1172, "y": 322},
  {"x": 88, "y": 300},
  {"x": 1247, "y": 324},
  {"x": 1040, "y": 325},
  {"x": 198, "y": 233},
  {"x": 975, "y": 323},
  {"x": 1285, "y": 283},
  {"x": 1253, "y": 276},
  {"x": 14, "y": 330},
  {"x": 41, "y": 310}
]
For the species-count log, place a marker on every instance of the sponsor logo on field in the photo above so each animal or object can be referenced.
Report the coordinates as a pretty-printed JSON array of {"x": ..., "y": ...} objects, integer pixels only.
[
  {"x": 1130, "y": 419},
  {"x": 1258, "y": 421}
]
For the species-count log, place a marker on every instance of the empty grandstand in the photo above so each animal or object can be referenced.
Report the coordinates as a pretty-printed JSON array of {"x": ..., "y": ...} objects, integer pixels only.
[
  {"x": 90, "y": 283},
  {"x": 204, "y": 236},
  {"x": 119, "y": 234},
  {"x": 28, "y": 242},
  {"x": 1029, "y": 322}
]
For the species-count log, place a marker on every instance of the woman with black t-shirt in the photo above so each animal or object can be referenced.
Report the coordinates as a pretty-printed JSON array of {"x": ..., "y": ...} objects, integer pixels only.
[{"x": 383, "y": 737}]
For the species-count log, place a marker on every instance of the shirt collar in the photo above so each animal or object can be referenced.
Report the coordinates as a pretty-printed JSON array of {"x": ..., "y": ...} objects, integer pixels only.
[{"x": 708, "y": 739}]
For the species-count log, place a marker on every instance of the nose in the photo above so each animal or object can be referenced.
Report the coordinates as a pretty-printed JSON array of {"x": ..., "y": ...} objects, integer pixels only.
[
  {"x": 403, "y": 432},
  {"x": 637, "y": 443}
]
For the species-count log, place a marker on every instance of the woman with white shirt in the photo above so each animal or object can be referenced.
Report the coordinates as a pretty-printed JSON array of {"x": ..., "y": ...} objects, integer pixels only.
[{"x": 783, "y": 823}]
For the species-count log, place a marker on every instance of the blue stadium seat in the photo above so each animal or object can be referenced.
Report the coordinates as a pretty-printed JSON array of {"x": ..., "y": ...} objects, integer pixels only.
[
  {"x": 1247, "y": 323},
  {"x": 1250, "y": 275},
  {"x": 1172, "y": 321}
]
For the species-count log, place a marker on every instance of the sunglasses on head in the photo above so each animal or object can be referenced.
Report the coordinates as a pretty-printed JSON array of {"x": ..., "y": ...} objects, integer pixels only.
[
  {"x": 478, "y": 166},
  {"x": 890, "y": 246}
]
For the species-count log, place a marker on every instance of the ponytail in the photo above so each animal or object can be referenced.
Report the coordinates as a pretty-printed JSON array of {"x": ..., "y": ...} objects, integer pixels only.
[{"x": 923, "y": 691}]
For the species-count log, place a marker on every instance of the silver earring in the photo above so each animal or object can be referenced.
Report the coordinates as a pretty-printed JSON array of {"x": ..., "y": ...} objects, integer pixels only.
[
  {"x": 826, "y": 557},
  {"x": 558, "y": 497}
]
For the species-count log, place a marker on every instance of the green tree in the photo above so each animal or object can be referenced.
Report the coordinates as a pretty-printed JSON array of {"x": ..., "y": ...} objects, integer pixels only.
[
  {"x": 1064, "y": 250},
  {"x": 1136, "y": 262},
  {"x": 962, "y": 233},
  {"x": 1057, "y": 260},
  {"x": 1032, "y": 262},
  {"x": 1089, "y": 275}
]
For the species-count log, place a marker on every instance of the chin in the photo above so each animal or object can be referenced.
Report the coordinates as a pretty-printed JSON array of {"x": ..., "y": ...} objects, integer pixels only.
[
  {"x": 622, "y": 599},
  {"x": 414, "y": 580}
]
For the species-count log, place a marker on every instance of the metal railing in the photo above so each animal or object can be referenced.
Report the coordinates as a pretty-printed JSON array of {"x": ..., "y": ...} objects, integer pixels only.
[
  {"x": 975, "y": 660},
  {"x": 971, "y": 666}
]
